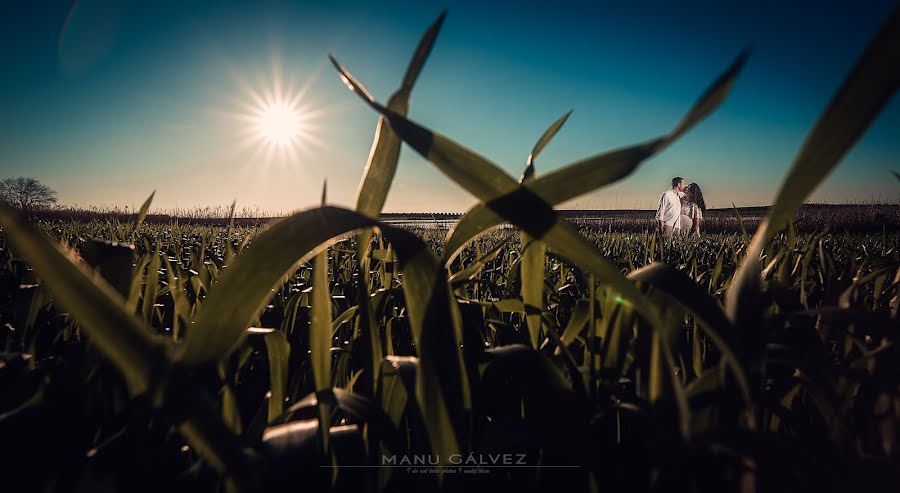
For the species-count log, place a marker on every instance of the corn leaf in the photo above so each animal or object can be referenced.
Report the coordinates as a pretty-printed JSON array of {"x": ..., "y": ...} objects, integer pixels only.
[
  {"x": 518, "y": 205},
  {"x": 246, "y": 286},
  {"x": 123, "y": 339},
  {"x": 278, "y": 350},
  {"x": 866, "y": 90}
]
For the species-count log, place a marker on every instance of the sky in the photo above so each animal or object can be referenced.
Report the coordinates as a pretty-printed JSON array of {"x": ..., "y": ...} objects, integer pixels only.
[{"x": 107, "y": 100}]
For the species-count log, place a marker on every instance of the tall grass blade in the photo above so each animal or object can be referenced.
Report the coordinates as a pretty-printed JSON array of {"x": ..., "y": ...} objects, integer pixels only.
[
  {"x": 545, "y": 139},
  {"x": 518, "y": 205},
  {"x": 442, "y": 388},
  {"x": 533, "y": 250},
  {"x": 142, "y": 214},
  {"x": 683, "y": 291},
  {"x": 246, "y": 285},
  {"x": 123, "y": 339},
  {"x": 866, "y": 90},
  {"x": 278, "y": 350},
  {"x": 320, "y": 338},
  {"x": 385, "y": 152},
  {"x": 151, "y": 286},
  {"x": 99, "y": 309}
]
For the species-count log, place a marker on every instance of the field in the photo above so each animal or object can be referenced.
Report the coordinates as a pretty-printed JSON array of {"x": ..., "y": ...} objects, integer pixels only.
[
  {"x": 594, "y": 386},
  {"x": 330, "y": 350}
]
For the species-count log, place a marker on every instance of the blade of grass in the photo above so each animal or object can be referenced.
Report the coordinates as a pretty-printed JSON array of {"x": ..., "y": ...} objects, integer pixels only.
[
  {"x": 385, "y": 153},
  {"x": 124, "y": 340},
  {"x": 518, "y": 205},
  {"x": 142, "y": 214},
  {"x": 442, "y": 388},
  {"x": 320, "y": 339},
  {"x": 278, "y": 350},
  {"x": 534, "y": 252},
  {"x": 867, "y": 89},
  {"x": 151, "y": 286},
  {"x": 382, "y": 163},
  {"x": 703, "y": 307},
  {"x": 90, "y": 300}
]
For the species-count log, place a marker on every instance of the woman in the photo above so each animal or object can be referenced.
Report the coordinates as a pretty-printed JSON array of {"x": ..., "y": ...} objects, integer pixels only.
[{"x": 692, "y": 209}]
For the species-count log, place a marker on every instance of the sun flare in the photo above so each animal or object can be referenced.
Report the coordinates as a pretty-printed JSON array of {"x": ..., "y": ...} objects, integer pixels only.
[{"x": 279, "y": 123}]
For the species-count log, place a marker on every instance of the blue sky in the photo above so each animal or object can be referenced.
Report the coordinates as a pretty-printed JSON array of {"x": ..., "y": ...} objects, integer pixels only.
[{"x": 114, "y": 99}]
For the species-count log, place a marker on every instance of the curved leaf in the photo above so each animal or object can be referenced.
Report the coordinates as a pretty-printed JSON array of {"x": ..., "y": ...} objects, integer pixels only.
[
  {"x": 141, "y": 215},
  {"x": 516, "y": 204},
  {"x": 534, "y": 252},
  {"x": 246, "y": 286},
  {"x": 96, "y": 305},
  {"x": 547, "y": 137},
  {"x": 382, "y": 163},
  {"x": 320, "y": 323},
  {"x": 128, "y": 343},
  {"x": 703, "y": 307},
  {"x": 278, "y": 350},
  {"x": 866, "y": 90}
]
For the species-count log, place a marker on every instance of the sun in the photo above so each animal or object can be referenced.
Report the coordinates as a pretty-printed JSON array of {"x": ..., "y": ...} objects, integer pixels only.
[{"x": 279, "y": 124}]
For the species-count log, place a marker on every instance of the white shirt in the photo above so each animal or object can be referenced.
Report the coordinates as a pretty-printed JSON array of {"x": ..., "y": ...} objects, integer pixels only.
[{"x": 669, "y": 209}]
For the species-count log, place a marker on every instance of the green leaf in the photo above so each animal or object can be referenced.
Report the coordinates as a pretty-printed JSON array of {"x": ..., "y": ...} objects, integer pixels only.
[
  {"x": 99, "y": 309},
  {"x": 509, "y": 306},
  {"x": 382, "y": 164},
  {"x": 151, "y": 286},
  {"x": 704, "y": 308},
  {"x": 546, "y": 138},
  {"x": 534, "y": 252},
  {"x": 355, "y": 405},
  {"x": 137, "y": 278},
  {"x": 518, "y": 205},
  {"x": 246, "y": 285},
  {"x": 577, "y": 322},
  {"x": 532, "y": 292},
  {"x": 181, "y": 308},
  {"x": 472, "y": 270},
  {"x": 482, "y": 178},
  {"x": 442, "y": 388},
  {"x": 866, "y": 90},
  {"x": 320, "y": 323},
  {"x": 278, "y": 350},
  {"x": 142, "y": 215},
  {"x": 398, "y": 374},
  {"x": 124, "y": 340}
]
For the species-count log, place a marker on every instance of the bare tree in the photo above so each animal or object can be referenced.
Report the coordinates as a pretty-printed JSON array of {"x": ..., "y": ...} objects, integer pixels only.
[{"x": 26, "y": 193}]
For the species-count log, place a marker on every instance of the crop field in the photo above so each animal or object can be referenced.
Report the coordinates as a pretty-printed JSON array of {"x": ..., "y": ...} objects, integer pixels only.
[{"x": 331, "y": 351}]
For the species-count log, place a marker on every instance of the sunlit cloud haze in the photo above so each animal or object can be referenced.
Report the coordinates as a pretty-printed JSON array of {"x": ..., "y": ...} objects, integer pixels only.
[{"x": 111, "y": 100}]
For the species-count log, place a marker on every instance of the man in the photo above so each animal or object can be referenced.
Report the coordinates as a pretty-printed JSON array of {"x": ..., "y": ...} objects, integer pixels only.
[{"x": 668, "y": 212}]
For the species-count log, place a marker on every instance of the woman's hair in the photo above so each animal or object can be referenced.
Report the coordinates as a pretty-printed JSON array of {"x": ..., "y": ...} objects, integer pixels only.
[{"x": 696, "y": 196}]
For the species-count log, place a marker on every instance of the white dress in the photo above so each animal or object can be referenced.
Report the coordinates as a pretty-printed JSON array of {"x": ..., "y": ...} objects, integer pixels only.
[{"x": 689, "y": 212}]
